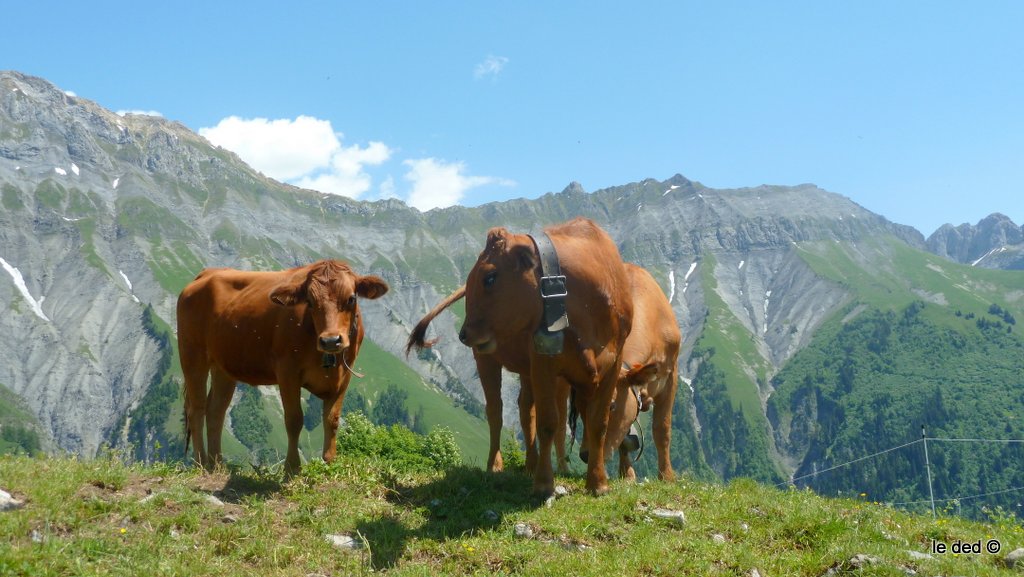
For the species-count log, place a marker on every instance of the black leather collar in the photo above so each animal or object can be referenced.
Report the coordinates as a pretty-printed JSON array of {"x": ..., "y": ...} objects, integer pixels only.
[{"x": 552, "y": 286}]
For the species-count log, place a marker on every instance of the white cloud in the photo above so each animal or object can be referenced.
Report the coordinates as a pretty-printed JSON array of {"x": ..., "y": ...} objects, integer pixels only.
[
  {"x": 306, "y": 152},
  {"x": 437, "y": 184},
  {"x": 491, "y": 66},
  {"x": 387, "y": 188},
  {"x": 140, "y": 112}
]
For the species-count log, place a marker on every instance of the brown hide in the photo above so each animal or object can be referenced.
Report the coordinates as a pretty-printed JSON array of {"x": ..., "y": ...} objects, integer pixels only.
[
  {"x": 503, "y": 310},
  {"x": 651, "y": 351},
  {"x": 266, "y": 328}
]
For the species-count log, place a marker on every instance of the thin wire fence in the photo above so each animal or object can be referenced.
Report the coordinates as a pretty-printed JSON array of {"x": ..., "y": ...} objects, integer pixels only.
[{"x": 924, "y": 440}]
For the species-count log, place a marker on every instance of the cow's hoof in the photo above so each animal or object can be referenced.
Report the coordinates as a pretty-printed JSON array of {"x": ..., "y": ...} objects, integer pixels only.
[
  {"x": 600, "y": 490},
  {"x": 498, "y": 465},
  {"x": 543, "y": 492}
]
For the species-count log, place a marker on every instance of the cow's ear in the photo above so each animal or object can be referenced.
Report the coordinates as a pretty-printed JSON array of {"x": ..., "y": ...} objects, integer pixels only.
[
  {"x": 288, "y": 294},
  {"x": 642, "y": 374},
  {"x": 371, "y": 287},
  {"x": 525, "y": 257},
  {"x": 497, "y": 237}
]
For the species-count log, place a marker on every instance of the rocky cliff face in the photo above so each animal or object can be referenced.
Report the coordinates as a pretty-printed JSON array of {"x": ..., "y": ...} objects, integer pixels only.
[
  {"x": 103, "y": 215},
  {"x": 995, "y": 242}
]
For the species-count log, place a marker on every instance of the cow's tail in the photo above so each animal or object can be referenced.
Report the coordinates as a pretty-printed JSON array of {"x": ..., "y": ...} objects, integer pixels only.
[{"x": 419, "y": 332}]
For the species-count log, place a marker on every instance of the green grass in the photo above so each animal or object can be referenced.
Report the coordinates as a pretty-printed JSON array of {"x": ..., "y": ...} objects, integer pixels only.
[
  {"x": 887, "y": 274},
  {"x": 11, "y": 197},
  {"x": 174, "y": 266},
  {"x": 103, "y": 517},
  {"x": 382, "y": 368}
]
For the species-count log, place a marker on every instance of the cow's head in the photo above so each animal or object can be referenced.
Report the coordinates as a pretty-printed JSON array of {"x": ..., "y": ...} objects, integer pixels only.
[
  {"x": 328, "y": 289},
  {"x": 638, "y": 377},
  {"x": 501, "y": 291}
]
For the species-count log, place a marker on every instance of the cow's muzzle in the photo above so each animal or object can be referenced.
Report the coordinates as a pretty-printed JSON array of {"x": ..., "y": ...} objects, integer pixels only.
[
  {"x": 484, "y": 345},
  {"x": 331, "y": 344}
]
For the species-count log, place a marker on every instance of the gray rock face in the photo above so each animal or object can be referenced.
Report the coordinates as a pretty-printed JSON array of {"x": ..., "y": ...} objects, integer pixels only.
[
  {"x": 104, "y": 215},
  {"x": 995, "y": 242}
]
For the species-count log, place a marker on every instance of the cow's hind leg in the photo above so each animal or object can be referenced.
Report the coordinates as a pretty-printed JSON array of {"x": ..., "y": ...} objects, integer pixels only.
[
  {"x": 222, "y": 390},
  {"x": 562, "y": 404},
  {"x": 195, "y": 371}
]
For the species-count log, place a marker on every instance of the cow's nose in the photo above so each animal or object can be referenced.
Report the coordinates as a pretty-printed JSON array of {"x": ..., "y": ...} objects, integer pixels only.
[
  {"x": 462, "y": 335},
  {"x": 330, "y": 343}
]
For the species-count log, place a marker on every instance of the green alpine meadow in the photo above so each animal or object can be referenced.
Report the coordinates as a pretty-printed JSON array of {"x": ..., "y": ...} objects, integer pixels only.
[{"x": 850, "y": 396}]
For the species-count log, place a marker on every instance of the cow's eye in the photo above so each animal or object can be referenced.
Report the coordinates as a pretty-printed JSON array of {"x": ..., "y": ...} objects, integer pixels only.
[
  {"x": 489, "y": 279},
  {"x": 352, "y": 301}
]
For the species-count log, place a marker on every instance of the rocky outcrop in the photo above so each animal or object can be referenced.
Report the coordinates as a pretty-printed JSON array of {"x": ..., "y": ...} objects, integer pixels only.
[{"x": 984, "y": 244}]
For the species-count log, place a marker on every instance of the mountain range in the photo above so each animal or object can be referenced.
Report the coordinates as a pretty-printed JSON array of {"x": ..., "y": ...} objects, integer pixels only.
[{"x": 106, "y": 217}]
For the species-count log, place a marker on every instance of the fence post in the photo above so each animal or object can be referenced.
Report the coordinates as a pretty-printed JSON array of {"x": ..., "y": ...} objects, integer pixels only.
[{"x": 928, "y": 468}]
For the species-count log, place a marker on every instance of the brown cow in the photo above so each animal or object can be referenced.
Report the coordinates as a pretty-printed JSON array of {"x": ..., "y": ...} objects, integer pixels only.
[
  {"x": 262, "y": 328},
  {"x": 650, "y": 353},
  {"x": 504, "y": 311}
]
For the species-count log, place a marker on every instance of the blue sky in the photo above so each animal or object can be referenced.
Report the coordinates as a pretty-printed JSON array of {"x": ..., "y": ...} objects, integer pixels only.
[{"x": 915, "y": 110}]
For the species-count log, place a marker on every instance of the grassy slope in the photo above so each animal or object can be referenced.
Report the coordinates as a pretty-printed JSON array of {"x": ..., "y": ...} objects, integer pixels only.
[
  {"x": 90, "y": 518},
  {"x": 735, "y": 350},
  {"x": 743, "y": 449},
  {"x": 935, "y": 367}
]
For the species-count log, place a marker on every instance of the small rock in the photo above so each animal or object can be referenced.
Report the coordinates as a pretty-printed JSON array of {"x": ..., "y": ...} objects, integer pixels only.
[
  {"x": 755, "y": 573},
  {"x": 214, "y": 501},
  {"x": 523, "y": 531},
  {"x": 147, "y": 498},
  {"x": 1014, "y": 559},
  {"x": 9, "y": 503},
  {"x": 718, "y": 538},
  {"x": 229, "y": 518},
  {"x": 490, "y": 516},
  {"x": 36, "y": 536},
  {"x": 175, "y": 534},
  {"x": 919, "y": 555},
  {"x": 677, "y": 516},
  {"x": 549, "y": 501},
  {"x": 344, "y": 542},
  {"x": 561, "y": 491},
  {"x": 861, "y": 560},
  {"x": 745, "y": 528}
]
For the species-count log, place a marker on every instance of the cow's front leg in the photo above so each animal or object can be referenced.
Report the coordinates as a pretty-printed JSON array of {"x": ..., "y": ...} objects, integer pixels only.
[
  {"x": 291, "y": 403},
  {"x": 490, "y": 379},
  {"x": 332, "y": 417}
]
